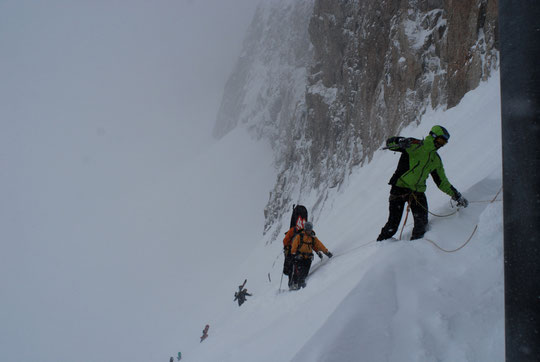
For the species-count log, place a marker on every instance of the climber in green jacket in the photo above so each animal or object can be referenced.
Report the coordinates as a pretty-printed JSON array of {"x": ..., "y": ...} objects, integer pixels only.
[{"x": 419, "y": 159}]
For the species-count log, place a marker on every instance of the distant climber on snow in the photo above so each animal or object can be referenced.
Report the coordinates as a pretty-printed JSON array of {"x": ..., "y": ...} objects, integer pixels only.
[
  {"x": 419, "y": 159},
  {"x": 298, "y": 219},
  {"x": 241, "y": 294},
  {"x": 302, "y": 249},
  {"x": 205, "y": 333}
]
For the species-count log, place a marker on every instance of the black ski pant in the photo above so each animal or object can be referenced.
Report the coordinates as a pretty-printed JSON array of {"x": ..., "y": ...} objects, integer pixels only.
[
  {"x": 301, "y": 271},
  {"x": 419, "y": 206},
  {"x": 288, "y": 266}
]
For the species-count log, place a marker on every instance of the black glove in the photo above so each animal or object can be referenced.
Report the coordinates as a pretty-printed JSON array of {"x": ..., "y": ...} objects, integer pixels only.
[
  {"x": 393, "y": 143},
  {"x": 319, "y": 254},
  {"x": 404, "y": 142},
  {"x": 329, "y": 254},
  {"x": 461, "y": 201}
]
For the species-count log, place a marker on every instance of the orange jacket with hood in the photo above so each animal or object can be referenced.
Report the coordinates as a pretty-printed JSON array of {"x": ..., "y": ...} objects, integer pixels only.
[
  {"x": 309, "y": 243},
  {"x": 288, "y": 239}
]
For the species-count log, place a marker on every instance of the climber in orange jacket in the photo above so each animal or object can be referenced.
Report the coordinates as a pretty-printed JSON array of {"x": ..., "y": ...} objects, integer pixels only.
[
  {"x": 288, "y": 257},
  {"x": 302, "y": 249},
  {"x": 298, "y": 219}
]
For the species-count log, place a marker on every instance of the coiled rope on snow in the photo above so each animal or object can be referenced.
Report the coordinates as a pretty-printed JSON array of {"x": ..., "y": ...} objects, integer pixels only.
[{"x": 470, "y": 237}]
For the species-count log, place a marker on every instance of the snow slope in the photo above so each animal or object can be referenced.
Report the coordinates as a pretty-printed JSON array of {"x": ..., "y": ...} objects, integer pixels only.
[
  {"x": 121, "y": 249},
  {"x": 104, "y": 204},
  {"x": 389, "y": 301},
  {"x": 108, "y": 260}
]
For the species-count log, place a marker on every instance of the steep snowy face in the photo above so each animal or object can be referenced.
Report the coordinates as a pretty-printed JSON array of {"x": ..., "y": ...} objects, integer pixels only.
[
  {"x": 373, "y": 67},
  {"x": 266, "y": 90},
  {"x": 379, "y": 64}
]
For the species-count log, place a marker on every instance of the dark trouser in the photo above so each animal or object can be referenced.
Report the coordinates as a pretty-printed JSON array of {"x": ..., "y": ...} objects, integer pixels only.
[
  {"x": 300, "y": 272},
  {"x": 418, "y": 203},
  {"x": 288, "y": 266}
]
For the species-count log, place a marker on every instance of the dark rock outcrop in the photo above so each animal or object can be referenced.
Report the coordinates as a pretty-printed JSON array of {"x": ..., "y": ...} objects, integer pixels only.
[{"x": 364, "y": 70}]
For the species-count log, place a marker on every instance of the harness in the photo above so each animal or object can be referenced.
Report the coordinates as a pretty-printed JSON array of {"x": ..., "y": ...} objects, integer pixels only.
[
  {"x": 287, "y": 249},
  {"x": 310, "y": 244}
]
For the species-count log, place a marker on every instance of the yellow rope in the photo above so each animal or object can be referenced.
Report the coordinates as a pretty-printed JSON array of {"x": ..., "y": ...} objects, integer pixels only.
[
  {"x": 431, "y": 241},
  {"x": 416, "y": 199},
  {"x": 470, "y": 237},
  {"x": 356, "y": 247},
  {"x": 497, "y": 195},
  {"x": 405, "y": 222},
  {"x": 482, "y": 201},
  {"x": 443, "y": 215},
  {"x": 452, "y": 251},
  {"x": 413, "y": 196}
]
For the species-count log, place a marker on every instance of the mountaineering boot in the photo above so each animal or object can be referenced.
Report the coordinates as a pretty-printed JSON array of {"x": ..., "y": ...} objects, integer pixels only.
[
  {"x": 382, "y": 237},
  {"x": 386, "y": 233}
]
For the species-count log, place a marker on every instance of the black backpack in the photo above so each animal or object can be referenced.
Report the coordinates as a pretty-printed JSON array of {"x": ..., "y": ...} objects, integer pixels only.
[{"x": 299, "y": 211}]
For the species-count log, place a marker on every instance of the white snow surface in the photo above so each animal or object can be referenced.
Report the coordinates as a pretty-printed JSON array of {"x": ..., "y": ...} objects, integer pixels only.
[
  {"x": 128, "y": 254},
  {"x": 390, "y": 301}
]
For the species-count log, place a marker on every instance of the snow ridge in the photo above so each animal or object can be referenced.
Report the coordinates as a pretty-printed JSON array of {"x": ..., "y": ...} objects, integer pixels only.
[{"x": 394, "y": 300}]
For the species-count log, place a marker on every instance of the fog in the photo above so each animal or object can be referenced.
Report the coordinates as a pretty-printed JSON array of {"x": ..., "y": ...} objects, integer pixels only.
[
  {"x": 119, "y": 65},
  {"x": 102, "y": 105}
]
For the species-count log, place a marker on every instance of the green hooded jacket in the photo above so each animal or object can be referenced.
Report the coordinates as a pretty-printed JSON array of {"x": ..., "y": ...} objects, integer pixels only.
[{"x": 419, "y": 159}]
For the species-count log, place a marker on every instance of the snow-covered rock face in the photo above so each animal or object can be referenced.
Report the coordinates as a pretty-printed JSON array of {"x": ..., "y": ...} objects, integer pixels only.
[
  {"x": 327, "y": 81},
  {"x": 268, "y": 82}
]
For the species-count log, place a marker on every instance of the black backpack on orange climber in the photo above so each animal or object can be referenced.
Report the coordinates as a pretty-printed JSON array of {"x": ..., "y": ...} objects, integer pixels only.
[
  {"x": 299, "y": 212},
  {"x": 298, "y": 219}
]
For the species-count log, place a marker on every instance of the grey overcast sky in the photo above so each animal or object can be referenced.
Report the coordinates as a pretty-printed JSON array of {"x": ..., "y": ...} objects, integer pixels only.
[
  {"x": 100, "y": 103},
  {"x": 118, "y": 62}
]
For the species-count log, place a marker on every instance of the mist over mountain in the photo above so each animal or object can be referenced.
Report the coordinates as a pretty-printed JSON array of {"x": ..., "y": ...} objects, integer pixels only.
[
  {"x": 126, "y": 228},
  {"x": 328, "y": 81}
]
